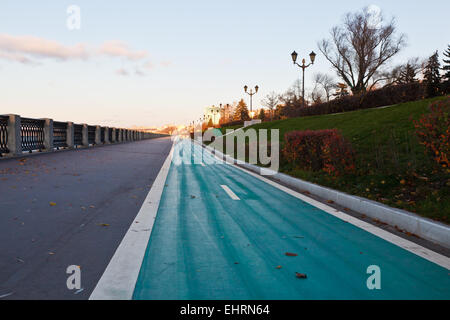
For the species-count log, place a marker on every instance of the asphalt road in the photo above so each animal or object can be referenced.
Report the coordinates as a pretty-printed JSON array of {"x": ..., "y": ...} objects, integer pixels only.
[
  {"x": 70, "y": 208},
  {"x": 221, "y": 233}
]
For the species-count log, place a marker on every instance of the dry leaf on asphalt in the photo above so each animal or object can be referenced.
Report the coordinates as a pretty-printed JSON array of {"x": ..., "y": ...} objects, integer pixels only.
[
  {"x": 290, "y": 254},
  {"x": 300, "y": 275}
]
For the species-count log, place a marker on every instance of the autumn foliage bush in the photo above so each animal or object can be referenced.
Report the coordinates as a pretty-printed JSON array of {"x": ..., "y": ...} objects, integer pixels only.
[
  {"x": 325, "y": 150},
  {"x": 433, "y": 131}
]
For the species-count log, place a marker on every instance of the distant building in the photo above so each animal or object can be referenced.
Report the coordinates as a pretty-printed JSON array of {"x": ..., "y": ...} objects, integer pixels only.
[
  {"x": 226, "y": 113},
  {"x": 212, "y": 113}
]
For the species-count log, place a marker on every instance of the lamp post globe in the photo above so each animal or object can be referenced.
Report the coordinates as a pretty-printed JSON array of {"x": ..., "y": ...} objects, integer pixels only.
[{"x": 312, "y": 56}]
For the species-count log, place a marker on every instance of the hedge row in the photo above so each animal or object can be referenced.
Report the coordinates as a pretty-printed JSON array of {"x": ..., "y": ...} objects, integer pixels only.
[
  {"x": 232, "y": 123},
  {"x": 371, "y": 99},
  {"x": 317, "y": 150}
]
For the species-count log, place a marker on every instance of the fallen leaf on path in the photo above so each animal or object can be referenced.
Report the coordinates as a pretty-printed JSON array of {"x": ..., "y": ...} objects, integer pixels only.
[
  {"x": 53, "y": 204},
  {"x": 104, "y": 225},
  {"x": 290, "y": 254},
  {"x": 300, "y": 275}
]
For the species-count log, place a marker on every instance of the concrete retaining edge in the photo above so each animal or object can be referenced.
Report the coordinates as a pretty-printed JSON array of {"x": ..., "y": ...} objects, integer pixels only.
[{"x": 423, "y": 227}]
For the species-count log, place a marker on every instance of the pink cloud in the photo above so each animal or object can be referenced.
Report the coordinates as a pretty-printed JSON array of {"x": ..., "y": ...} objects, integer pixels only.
[
  {"x": 148, "y": 65},
  {"x": 118, "y": 48},
  {"x": 166, "y": 63},
  {"x": 122, "y": 72},
  {"x": 31, "y": 49},
  {"x": 17, "y": 48}
]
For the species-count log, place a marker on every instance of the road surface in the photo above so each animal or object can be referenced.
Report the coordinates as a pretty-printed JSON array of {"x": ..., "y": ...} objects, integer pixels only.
[
  {"x": 221, "y": 233},
  {"x": 70, "y": 208}
]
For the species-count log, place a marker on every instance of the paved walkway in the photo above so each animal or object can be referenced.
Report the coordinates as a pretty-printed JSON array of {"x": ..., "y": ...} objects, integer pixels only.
[{"x": 70, "y": 208}]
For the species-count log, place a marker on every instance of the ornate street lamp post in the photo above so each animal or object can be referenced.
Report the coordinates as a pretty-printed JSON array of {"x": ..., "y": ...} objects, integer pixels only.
[
  {"x": 251, "y": 93},
  {"x": 312, "y": 56}
]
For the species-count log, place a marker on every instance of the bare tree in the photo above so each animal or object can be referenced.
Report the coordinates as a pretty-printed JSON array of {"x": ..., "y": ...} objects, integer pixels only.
[
  {"x": 316, "y": 95},
  {"x": 271, "y": 101},
  {"x": 326, "y": 82},
  {"x": 296, "y": 88},
  {"x": 359, "y": 47}
]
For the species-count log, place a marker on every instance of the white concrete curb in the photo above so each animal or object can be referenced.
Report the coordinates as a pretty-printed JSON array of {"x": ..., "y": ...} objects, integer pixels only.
[{"x": 425, "y": 228}]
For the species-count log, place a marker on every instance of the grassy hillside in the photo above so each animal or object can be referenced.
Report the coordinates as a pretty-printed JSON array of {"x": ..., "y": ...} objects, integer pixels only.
[{"x": 392, "y": 166}]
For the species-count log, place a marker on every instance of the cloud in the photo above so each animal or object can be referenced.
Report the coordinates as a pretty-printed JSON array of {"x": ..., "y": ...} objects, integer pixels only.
[
  {"x": 17, "y": 57},
  {"x": 21, "y": 48},
  {"x": 122, "y": 72},
  {"x": 166, "y": 63},
  {"x": 32, "y": 50},
  {"x": 148, "y": 65},
  {"x": 117, "y": 48},
  {"x": 139, "y": 72},
  {"x": 24, "y": 49}
]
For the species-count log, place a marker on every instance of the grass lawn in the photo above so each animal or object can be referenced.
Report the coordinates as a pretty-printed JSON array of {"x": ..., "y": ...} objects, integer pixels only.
[{"x": 392, "y": 166}]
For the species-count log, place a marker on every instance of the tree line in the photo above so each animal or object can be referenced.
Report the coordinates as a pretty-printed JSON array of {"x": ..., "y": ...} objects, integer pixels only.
[{"x": 359, "y": 51}]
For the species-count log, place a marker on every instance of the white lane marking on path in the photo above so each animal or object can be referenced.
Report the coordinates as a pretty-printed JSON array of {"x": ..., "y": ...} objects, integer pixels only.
[
  {"x": 119, "y": 279},
  {"x": 410, "y": 246},
  {"x": 230, "y": 192}
]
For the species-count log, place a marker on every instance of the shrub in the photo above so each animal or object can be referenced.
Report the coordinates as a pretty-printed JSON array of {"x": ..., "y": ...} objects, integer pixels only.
[
  {"x": 433, "y": 131},
  {"x": 325, "y": 150}
]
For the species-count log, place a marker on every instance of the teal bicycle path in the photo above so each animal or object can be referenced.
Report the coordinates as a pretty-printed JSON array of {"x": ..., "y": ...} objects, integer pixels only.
[{"x": 205, "y": 245}]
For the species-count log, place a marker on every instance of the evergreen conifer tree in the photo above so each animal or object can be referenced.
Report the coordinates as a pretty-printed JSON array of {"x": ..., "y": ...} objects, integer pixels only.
[
  {"x": 262, "y": 115},
  {"x": 432, "y": 76},
  {"x": 241, "y": 112},
  {"x": 446, "y": 68}
]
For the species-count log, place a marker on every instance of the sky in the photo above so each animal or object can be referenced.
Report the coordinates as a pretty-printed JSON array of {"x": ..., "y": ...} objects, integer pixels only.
[{"x": 149, "y": 63}]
